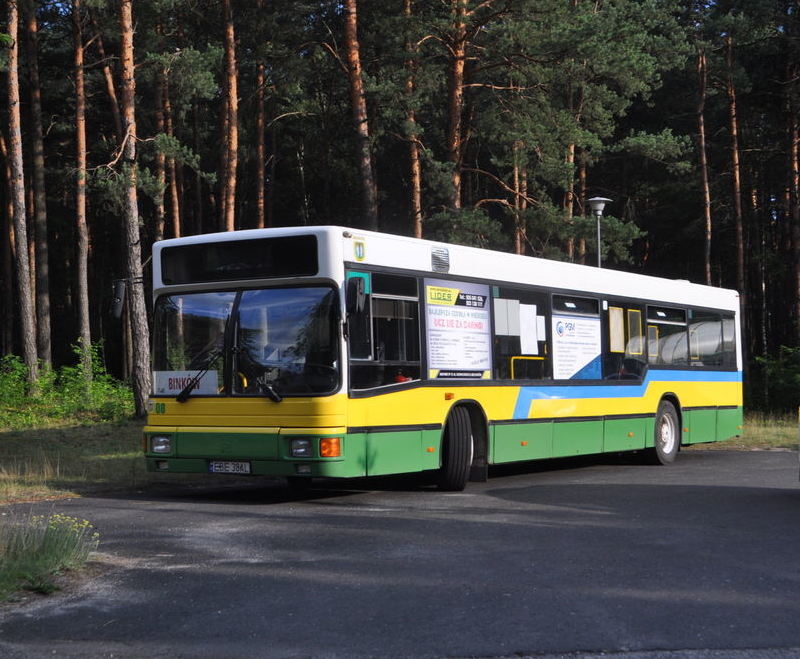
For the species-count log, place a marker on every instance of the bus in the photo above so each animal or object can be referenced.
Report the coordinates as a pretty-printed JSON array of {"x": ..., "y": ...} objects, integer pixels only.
[{"x": 331, "y": 352}]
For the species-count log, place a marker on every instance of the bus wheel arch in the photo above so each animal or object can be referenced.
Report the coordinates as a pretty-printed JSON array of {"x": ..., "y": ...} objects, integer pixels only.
[
  {"x": 464, "y": 447},
  {"x": 666, "y": 433}
]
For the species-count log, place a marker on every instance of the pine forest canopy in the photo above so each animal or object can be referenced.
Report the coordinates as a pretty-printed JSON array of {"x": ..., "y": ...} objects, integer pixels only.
[{"x": 486, "y": 122}]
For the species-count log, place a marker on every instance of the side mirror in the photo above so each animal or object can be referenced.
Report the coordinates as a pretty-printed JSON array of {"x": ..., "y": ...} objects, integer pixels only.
[
  {"x": 118, "y": 301},
  {"x": 355, "y": 295}
]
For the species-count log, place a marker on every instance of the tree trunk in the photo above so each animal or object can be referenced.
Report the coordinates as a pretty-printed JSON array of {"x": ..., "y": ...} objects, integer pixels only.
[
  {"x": 232, "y": 120},
  {"x": 41, "y": 241},
  {"x": 520, "y": 199},
  {"x": 273, "y": 166},
  {"x": 568, "y": 203},
  {"x": 7, "y": 257},
  {"x": 359, "y": 106},
  {"x": 108, "y": 76},
  {"x": 140, "y": 335},
  {"x": 702, "y": 76},
  {"x": 793, "y": 200},
  {"x": 261, "y": 149},
  {"x": 261, "y": 136},
  {"x": 26, "y": 312},
  {"x": 455, "y": 92},
  {"x": 84, "y": 324},
  {"x": 736, "y": 171},
  {"x": 161, "y": 157},
  {"x": 582, "y": 205},
  {"x": 415, "y": 162},
  {"x": 198, "y": 215},
  {"x": 173, "y": 173}
]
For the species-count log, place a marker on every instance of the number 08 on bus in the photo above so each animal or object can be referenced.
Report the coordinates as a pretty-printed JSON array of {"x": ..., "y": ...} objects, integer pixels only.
[{"x": 338, "y": 353}]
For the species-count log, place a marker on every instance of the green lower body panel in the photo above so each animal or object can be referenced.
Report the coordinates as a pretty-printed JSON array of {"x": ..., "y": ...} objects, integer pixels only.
[
  {"x": 729, "y": 422},
  {"x": 522, "y": 441},
  {"x": 699, "y": 425},
  {"x": 401, "y": 452},
  {"x": 577, "y": 437},
  {"x": 549, "y": 439},
  {"x": 331, "y": 469},
  {"x": 227, "y": 445},
  {"x": 269, "y": 454},
  {"x": 626, "y": 434},
  {"x": 711, "y": 424}
]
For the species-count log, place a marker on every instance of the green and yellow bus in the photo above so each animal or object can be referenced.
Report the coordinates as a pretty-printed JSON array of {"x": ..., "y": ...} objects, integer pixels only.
[{"x": 332, "y": 352}]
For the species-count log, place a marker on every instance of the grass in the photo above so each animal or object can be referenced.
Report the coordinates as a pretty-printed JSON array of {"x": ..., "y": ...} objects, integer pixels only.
[
  {"x": 64, "y": 461},
  {"x": 35, "y": 551},
  {"x": 762, "y": 432},
  {"x": 67, "y": 461}
]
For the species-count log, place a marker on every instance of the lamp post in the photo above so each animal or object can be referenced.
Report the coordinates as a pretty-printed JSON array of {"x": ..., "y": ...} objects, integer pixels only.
[{"x": 597, "y": 204}]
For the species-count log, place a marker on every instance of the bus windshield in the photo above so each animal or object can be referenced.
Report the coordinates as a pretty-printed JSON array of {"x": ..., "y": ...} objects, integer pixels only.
[{"x": 266, "y": 342}]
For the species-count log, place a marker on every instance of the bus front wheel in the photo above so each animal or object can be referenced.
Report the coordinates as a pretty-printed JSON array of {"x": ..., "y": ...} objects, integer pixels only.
[
  {"x": 667, "y": 439},
  {"x": 456, "y": 451}
]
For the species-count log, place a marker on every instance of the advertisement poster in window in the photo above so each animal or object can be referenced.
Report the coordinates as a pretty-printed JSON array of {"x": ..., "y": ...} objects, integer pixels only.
[
  {"x": 576, "y": 348},
  {"x": 459, "y": 330}
]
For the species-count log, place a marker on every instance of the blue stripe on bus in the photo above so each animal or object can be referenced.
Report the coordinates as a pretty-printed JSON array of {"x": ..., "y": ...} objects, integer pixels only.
[{"x": 585, "y": 391}]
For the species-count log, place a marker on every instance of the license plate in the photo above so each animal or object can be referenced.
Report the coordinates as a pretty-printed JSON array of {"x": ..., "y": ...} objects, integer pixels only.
[{"x": 228, "y": 467}]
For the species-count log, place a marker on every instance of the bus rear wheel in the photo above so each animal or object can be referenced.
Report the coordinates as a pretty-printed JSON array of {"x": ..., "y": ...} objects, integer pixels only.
[
  {"x": 457, "y": 452},
  {"x": 667, "y": 438}
]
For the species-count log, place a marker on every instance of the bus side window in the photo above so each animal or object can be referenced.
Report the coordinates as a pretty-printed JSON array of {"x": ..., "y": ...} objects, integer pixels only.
[
  {"x": 728, "y": 341},
  {"x": 667, "y": 337},
  {"x": 520, "y": 335},
  {"x": 624, "y": 357},
  {"x": 385, "y": 343},
  {"x": 359, "y": 323},
  {"x": 706, "y": 346}
]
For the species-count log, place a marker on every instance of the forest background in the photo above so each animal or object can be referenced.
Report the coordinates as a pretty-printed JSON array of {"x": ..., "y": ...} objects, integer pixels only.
[{"x": 485, "y": 122}]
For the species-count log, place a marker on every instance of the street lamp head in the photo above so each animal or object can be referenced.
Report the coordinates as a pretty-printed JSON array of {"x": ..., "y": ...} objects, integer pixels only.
[{"x": 597, "y": 204}]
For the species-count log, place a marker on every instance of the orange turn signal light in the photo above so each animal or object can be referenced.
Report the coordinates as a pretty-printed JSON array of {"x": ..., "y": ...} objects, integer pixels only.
[{"x": 330, "y": 447}]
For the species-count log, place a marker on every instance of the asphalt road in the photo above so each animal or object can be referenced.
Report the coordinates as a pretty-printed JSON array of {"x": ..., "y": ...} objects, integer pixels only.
[{"x": 584, "y": 558}]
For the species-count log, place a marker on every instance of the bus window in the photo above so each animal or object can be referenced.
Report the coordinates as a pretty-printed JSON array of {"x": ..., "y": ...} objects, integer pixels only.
[
  {"x": 728, "y": 341},
  {"x": 667, "y": 337},
  {"x": 189, "y": 331},
  {"x": 520, "y": 335},
  {"x": 285, "y": 338},
  {"x": 624, "y": 346},
  {"x": 705, "y": 338},
  {"x": 359, "y": 323},
  {"x": 385, "y": 342}
]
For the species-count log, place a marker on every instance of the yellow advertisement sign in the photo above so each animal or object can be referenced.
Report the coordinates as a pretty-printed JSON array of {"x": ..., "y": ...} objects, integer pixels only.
[{"x": 442, "y": 295}]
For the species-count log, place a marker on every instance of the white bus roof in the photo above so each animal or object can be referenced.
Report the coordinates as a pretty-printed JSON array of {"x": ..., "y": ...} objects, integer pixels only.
[{"x": 368, "y": 248}]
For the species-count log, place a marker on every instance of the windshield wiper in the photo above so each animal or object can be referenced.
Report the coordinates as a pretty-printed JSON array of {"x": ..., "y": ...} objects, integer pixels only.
[{"x": 184, "y": 394}]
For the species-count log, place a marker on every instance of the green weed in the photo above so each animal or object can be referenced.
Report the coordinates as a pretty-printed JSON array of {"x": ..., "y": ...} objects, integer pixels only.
[
  {"x": 64, "y": 395},
  {"x": 33, "y": 552}
]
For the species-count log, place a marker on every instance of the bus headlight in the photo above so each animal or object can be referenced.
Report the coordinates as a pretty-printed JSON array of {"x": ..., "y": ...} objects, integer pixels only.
[
  {"x": 301, "y": 448},
  {"x": 160, "y": 444}
]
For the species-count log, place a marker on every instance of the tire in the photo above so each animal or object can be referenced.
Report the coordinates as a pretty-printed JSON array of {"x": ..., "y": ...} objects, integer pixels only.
[
  {"x": 667, "y": 436},
  {"x": 456, "y": 452}
]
